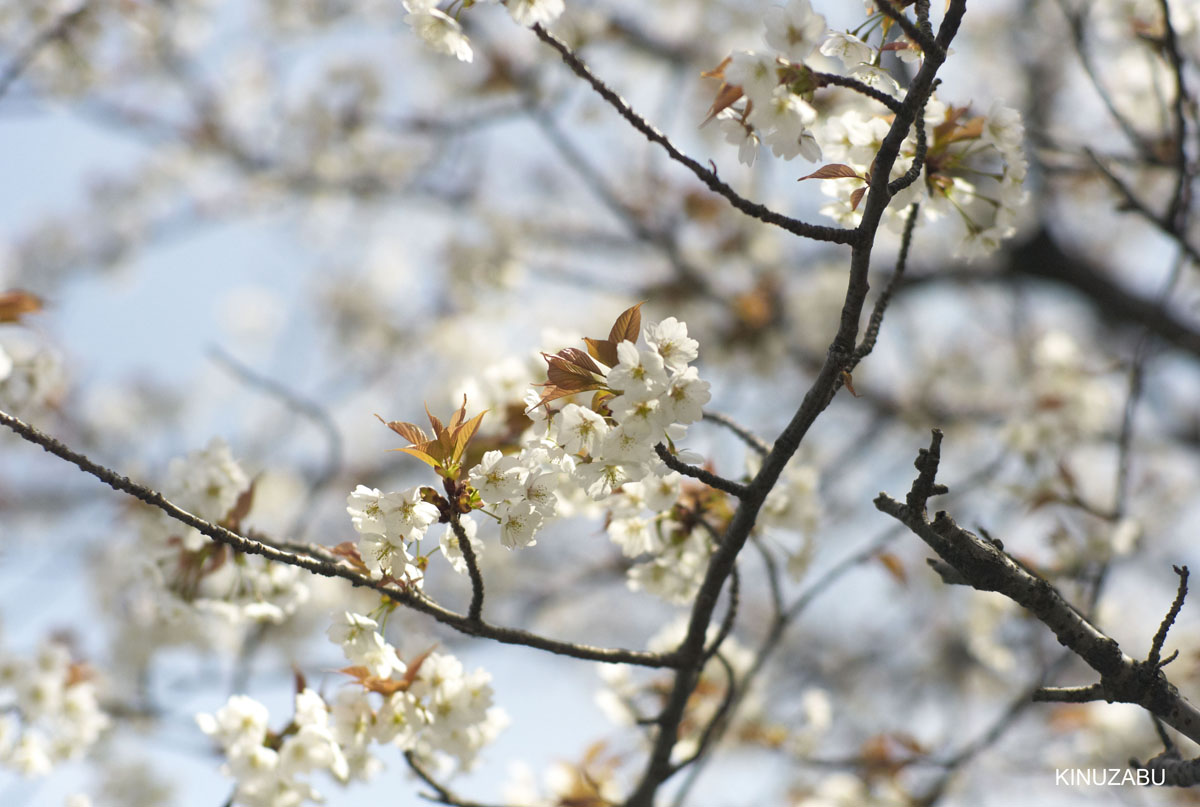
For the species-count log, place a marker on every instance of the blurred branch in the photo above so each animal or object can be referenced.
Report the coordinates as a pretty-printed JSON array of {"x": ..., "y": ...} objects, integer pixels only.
[
  {"x": 1041, "y": 257},
  {"x": 59, "y": 30},
  {"x": 1167, "y": 225},
  {"x": 441, "y": 794},
  {"x": 318, "y": 414}
]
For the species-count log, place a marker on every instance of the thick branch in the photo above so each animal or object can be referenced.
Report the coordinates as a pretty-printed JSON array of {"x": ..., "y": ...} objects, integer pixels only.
[{"x": 984, "y": 564}]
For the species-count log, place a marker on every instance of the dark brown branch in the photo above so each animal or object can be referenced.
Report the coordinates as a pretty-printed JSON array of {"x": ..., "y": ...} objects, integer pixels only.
[
  {"x": 707, "y": 477},
  {"x": 1161, "y": 636},
  {"x": 986, "y": 566},
  {"x": 818, "y": 397},
  {"x": 441, "y": 794},
  {"x": 730, "y": 615},
  {"x": 710, "y": 730},
  {"x": 1175, "y": 771},
  {"x": 876, "y": 322},
  {"x": 833, "y": 79},
  {"x": 1176, "y": 214},
  {"x": 833, "y": 235},
  {"x": 408, "y": 597},
  {"x": 920, "y": 36},
  {"x": 910, "y": 176},
  {"x": 475, "y": 609}
]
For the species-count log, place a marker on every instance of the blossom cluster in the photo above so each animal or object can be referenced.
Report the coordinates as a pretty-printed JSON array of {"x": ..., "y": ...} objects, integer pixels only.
[
  {"x": 1064, "y": 402},
  {"x": 444, "y": 33},
  {"x": 179, "y": 586},
  {"x": 974, "y": 165},
  {"x": 973, "y": 174},
  {"x": 431, "y": 707},
  {"x": 605, "y": 452},
  {"x": 50, "y": 712},
  {"x": 774, "y": 87},
  {"x": 567, "y": 459}
]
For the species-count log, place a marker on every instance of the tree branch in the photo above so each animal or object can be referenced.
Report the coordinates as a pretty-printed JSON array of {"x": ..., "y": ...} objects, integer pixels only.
[
  {"x": 833, "y": 235},
  {"x": 410, "y": 598},
  {"x": 984, "y": 565}
]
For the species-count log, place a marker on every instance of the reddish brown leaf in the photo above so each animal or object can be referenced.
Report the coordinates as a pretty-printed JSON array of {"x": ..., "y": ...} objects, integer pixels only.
[
  {"x": 856, "y": 197},
  {"x": 727, "y": 96},
  {"x": 832, "y": 171},
  {"x": 602, "y": 350},
  {"x": 953, "y": 116},
  {"x": 848, "y": 380},
  {"x": 298, "y": 679},
  {"x": 463, "y": 434},
  {"x": 552, "y": 393},
  {"x": 580, "y": 358},
  {"x": 240, "y": 509},
  {"x": 628, "y": 325},
  {"x": 349, "y": 551},
  {"x": 971, "y": 130},
  {"x": 566, "y": 374},
  {"x": 77, "y": 673},
  {"x": 371, "y": 683},
  {"x": 16, "y": 304},
  {"x": 459, "y": 415},
  {"x": 441, "y": 435},
  {"x": 414, "y": 667}
]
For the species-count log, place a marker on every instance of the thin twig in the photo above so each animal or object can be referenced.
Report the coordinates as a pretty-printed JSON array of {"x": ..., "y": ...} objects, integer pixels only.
[
  {"x": 306, "y": 407},
  {"x": 834, "y": 235},
  {"x": 760, "y": 446},
  {"x": 873, "y": 325},
  {"x": 57, "y": 30},
  {"x": 707, "y": 477},
  {"x": 441, "y": 794},
  {"x": 1142, "y": 209},
  {"x": 833, "y": 79},
  {"x": 1161, "y": 636}
]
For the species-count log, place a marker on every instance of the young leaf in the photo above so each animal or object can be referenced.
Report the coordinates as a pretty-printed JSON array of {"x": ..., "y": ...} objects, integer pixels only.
[
  {"x": 565, "y": 372},
  {"x": 602, "y": 350},
  {"x": 409, "y": 431},
  {"x": 240, "y": 509},
  {"x": 464, "y": 433},
  {"x": 832, "y": 171},
  {"x": 15, "y": 304},
  {"x": 628, "y": 325},
  {"x": 727, "y": 96},
  {"x": 428, "y": 459}
]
